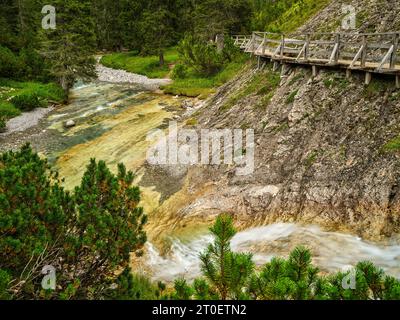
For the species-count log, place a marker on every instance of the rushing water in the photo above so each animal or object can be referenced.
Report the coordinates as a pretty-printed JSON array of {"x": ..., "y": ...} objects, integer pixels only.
[
  {"x": 332, "y": 251},
  {"x": 111, "y": 124}
]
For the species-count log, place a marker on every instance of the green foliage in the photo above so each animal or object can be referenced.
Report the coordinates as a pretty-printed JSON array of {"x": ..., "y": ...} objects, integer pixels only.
[
  {"x": 129, "y": 286},
  {"x": 16, "y": 96},
  {"x": 182, "y": 291},
  {"x": 8, "y": 110},
  {"x": 3, "y": 124},
  {"x": 291, "y": 97},
  {"x": 5, "y": 279},
  {"x": 311, "y": 158},
  {"x": 281, "y": 279},
  {"x": 157, "y": 29},
  {"x": 262, "y": 84},
  {"x": 70, "y": 47},
  {"x": 195, "y": 85},
  {"x": 212, "y": 17},
  {"x": 86, "y": 235},
  {"x": 336, "y": 81},
  {"x": 26, "y": 102},
  {"x": 9, "y": 63},
  {"x": 200, "y": 55},
  {"x": 376, "y": 87},
  {"x": 285, "y": 15},
  {"x": 180, "y": 72},
  {"x": 393, "y": 145},
  {"x": 226, "y": 271}
]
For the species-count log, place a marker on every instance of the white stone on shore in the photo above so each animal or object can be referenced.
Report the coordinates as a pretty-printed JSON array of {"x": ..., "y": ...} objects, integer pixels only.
[{"x": 69, "y": 124}]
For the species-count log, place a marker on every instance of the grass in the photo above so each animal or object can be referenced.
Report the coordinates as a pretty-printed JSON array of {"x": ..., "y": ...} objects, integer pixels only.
[
  {"x": 332, "y": 80},
  {"x": 377, "y": 86},
  {"x": 393, "y": 145},
  {"x": 311, "y": 158},
  {"x": 9, "y": 88},
  {"x": 144, "y": 65},
  {"x": 291, "y": 97},
  {"x": 195, "y": 85},
  {"x": 297, "y": 15},
  {"x": 262, "y": 84}
]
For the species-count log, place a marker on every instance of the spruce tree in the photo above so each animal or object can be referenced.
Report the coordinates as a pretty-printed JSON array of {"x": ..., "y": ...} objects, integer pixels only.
[{"x": 70, "y": 47}]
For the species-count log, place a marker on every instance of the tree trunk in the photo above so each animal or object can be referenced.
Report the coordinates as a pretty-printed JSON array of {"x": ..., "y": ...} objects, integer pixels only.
[
  {"x": 220, "y": 41},
  {"x": 162, "y": 60},
  {"x": 65, "y": 87}
]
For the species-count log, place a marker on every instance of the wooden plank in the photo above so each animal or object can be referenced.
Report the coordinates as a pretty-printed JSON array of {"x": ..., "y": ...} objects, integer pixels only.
[
  {"x": 358, "y": 55},
  {"x": 393, "y": 58},
  {"x": 385, "y": 59}
]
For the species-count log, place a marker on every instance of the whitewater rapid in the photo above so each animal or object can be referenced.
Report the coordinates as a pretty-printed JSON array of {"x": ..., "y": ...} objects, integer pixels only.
[{"x": 332, "y": 251}]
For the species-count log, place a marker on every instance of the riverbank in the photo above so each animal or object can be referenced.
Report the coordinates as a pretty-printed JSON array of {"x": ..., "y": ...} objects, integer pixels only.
[
  {"x": 192, "y": 84},
  {"x": 110, "y": 75}
]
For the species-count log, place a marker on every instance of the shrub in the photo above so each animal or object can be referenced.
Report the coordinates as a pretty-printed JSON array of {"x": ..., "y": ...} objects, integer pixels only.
[
  {"x": 86, "y": 235},
  {"x": 2, "y": 125},
  {"x": 8, "y": 110},
  {"x": 201, "y": 56},
  {"x": 179, "y": 72},
  {"x": 9, "y": 63},
  {"x": 26, "y": 101}
]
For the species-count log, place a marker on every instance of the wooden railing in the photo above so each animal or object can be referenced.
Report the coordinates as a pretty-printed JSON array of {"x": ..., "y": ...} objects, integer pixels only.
[{"x": 370, "y": 52}]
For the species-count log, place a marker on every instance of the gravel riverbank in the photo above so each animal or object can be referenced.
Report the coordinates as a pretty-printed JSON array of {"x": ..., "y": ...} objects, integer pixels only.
[{"x": 120, "y": 76}]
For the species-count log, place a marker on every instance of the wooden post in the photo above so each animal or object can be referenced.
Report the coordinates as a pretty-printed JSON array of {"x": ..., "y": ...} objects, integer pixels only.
[
  {"x": 282, "y": 46},
  {"x": 397, "y": 81},
  {"x": 393, "y": 57},
  {"x": 307, "y": 48},
  {"x": 348, "y": 74},
  {"x": 314, "y": 71},
  {"x": 264, "y": 43},
  {"x": 276, "y": 66},
  {"x": 337, "y": 54},
  {"x": 364, "y": 53},
  {"x": 368, "y": 78}
]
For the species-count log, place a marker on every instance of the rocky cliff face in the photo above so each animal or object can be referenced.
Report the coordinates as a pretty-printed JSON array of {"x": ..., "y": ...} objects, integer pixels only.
[{"x": 321, "y": 156}]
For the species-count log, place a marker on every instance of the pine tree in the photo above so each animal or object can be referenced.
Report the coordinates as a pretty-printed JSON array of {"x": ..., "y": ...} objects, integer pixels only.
[
  {"x": 227, "y": 272},
  {"x": 87, "y": 236}
]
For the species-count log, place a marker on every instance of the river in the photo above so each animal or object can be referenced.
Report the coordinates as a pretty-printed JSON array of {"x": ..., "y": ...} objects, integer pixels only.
[{"x": 112, "y": 122}]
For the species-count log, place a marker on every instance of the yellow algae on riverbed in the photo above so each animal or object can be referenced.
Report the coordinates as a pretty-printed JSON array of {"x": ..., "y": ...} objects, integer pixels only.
[{"x": 124, "y": 142}]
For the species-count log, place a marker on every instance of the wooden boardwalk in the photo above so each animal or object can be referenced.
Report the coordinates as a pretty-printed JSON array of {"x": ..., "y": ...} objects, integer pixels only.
[{"x": 367, "y": 52}]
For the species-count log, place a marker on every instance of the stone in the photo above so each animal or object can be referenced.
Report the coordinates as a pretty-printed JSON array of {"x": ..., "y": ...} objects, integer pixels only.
[{"x": 69, "y": 124}]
